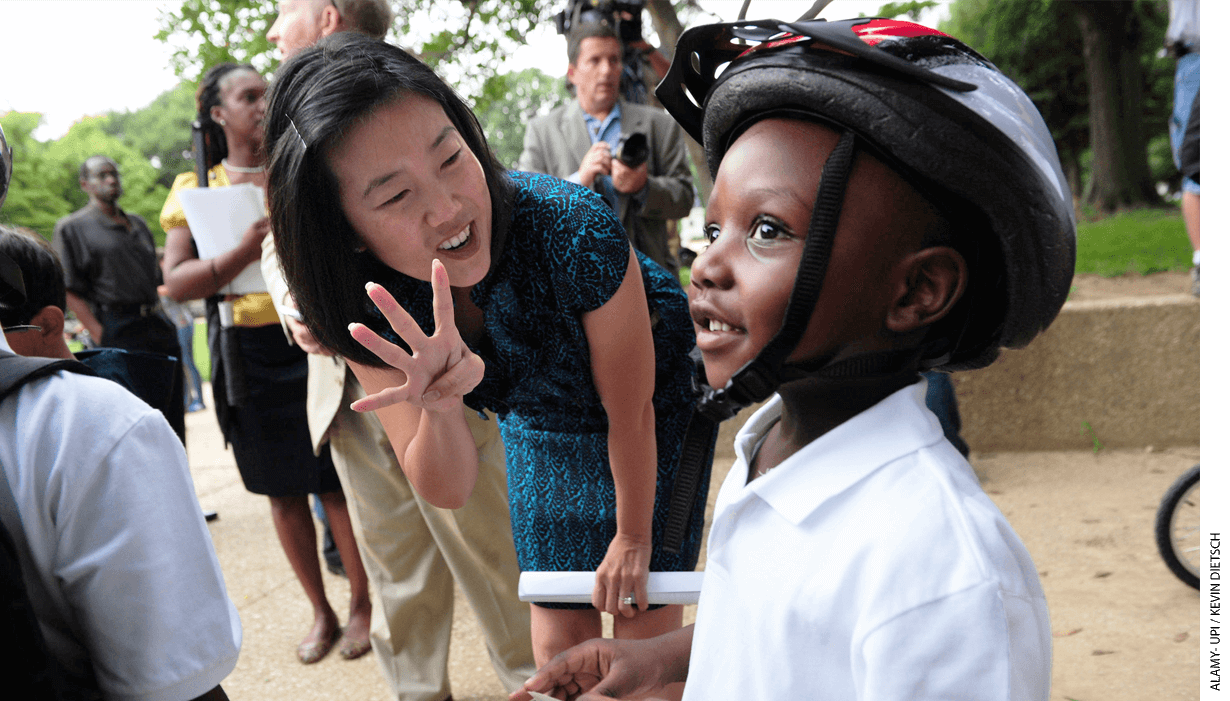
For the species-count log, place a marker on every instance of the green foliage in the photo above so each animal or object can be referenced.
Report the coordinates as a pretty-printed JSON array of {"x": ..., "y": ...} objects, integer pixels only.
[
  {"x": 161, "y": 131},
  {"x": 1142, "y": 241},
  {"x": 508, "y": 101},
  {"x": 1039, "y": 46},
  {"x": 1087, "y": 430},
  {"x": 45, "y": 183},
  {"x": 204, "y": 33},
  {"x": 912, "y": 10},
  {"x": 465, "y": 40}
]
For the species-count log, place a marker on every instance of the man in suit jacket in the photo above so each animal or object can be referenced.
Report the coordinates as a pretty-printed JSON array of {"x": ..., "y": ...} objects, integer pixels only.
[{"x": 575, "y": 141}]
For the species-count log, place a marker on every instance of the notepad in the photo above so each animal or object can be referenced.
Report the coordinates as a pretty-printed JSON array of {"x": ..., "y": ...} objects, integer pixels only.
[
  {"x": 578, "y": 587},
  {"x": 218, "y": 218}
]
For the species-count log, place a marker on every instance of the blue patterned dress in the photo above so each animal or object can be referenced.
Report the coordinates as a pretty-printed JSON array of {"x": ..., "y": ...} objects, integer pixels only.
[{"x": 565, "y": 254}]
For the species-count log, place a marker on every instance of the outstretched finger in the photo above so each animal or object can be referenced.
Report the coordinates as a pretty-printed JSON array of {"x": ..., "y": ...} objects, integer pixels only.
[
  {"x": 399, "y": 319},
  {"x": 441, "y": 297},
  {"x": 392, "y": 354}
]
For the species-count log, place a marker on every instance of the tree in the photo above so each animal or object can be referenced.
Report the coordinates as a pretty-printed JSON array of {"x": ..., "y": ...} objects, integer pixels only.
[
  {"x": 465, "y": 41},
  {"x": 511, "y": 101},
  {"x": 32, "y": 201},
  {"x": 45, "y": 184},
  {"x": 204, "y": 33},
  {"x": 1113, "y": 41},
  {"x": 1039, "y": 45},
  {"x": 160, "y": 131}
]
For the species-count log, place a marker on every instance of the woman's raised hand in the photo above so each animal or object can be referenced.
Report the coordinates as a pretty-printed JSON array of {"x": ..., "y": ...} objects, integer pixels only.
[{"x": 441, "y": 370}]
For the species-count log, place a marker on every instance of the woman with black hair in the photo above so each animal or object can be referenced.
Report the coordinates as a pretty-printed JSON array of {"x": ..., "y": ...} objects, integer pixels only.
[
  {"x": 541, "y": 313},
  {"x": 260, "y": 379}
]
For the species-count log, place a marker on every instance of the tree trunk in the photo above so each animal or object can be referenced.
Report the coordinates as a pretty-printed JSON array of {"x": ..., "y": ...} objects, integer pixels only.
[
  {"x": 666, "y": 24},
  {"x": 1119, "y": 174}
]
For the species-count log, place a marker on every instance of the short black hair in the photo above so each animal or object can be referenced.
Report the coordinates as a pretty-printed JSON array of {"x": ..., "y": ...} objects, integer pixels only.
[
  {"x": 316, "y": 98},
  {"x": 83, "y": 173},
  {"x": 588, "y": 30},
  {"x": 40, "y": 269}
]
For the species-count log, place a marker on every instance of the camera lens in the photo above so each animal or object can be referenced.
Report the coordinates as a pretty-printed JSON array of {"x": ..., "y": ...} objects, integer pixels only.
[{"x": 633, "y": 149}]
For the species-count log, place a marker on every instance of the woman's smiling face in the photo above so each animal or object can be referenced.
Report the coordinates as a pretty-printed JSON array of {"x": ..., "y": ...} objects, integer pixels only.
[{"x": 414, "y": 191}]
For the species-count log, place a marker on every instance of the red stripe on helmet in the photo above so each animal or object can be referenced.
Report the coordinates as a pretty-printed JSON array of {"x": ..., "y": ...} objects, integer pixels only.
[{"x": 877, "y": 30}]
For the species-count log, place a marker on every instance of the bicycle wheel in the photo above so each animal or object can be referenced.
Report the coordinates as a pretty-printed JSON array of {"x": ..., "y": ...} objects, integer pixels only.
[{"x": 1177, "y": 528}]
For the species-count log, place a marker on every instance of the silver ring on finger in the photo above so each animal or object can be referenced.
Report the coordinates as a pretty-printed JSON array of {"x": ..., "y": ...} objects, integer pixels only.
[{"x": 629, "y": 600}]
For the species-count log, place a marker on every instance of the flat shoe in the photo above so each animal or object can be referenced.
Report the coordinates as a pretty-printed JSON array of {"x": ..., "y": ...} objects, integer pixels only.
[
  {"x": 310, "y": 653},
  {"x": 352, "y": 649}
]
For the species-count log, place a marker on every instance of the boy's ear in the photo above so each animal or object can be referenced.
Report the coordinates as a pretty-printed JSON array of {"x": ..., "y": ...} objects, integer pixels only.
[
  {"x": 930, "y": 283},
  {"x": 51, "y": 319}
]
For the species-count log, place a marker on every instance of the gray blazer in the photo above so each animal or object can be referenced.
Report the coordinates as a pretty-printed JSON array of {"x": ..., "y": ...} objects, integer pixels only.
[{"x": 556, "y": 142}]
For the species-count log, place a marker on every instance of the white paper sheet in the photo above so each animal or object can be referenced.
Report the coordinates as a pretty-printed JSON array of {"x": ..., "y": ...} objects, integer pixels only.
[
  {"x": 577, "y": 587},
  {"x": 218, "y": 218}
]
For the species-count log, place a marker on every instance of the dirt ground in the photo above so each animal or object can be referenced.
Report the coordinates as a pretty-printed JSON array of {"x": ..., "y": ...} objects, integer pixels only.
[{"x": 1124, "y": 628}]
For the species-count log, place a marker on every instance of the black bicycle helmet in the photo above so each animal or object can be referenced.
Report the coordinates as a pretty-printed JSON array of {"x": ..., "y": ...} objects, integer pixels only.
[
  {"x": 6, "y": 166},
  {"x": 932, "y": 108}
]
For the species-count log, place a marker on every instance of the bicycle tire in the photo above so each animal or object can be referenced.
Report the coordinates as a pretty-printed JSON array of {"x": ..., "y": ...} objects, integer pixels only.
[{"x": 1180, "y": 494}]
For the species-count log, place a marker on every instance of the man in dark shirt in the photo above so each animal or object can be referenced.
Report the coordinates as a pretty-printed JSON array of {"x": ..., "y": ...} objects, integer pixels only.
[{"x": 112, "y": 275}]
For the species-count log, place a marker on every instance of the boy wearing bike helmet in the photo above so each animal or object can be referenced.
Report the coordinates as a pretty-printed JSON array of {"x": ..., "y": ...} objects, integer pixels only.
[{"x": 885, "y": 202}]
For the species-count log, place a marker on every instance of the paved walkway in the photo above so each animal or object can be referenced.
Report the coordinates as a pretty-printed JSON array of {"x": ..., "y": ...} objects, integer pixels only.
[{"x": 1126, "y": 628}]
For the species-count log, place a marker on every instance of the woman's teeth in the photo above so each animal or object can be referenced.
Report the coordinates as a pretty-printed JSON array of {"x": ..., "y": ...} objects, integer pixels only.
[
  {"x": 457, "y": 241},
  {"x": 715, "y": 325}
]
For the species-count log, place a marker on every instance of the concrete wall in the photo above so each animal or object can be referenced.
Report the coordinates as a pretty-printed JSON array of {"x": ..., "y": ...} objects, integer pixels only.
[{"x": 1126, "y": 371}]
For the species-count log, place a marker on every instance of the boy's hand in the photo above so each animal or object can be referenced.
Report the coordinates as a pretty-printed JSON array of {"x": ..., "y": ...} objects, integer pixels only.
[
  {"x": 442, "y": 369},
  {"x": 599, "y": 669}
]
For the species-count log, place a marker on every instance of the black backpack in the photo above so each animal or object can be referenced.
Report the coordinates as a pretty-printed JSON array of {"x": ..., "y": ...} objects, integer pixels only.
[{"x": 28, "y": 668}]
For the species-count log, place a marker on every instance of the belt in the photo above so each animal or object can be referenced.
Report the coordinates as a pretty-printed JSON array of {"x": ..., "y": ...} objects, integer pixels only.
[
  {"x": 1179, "y": 49},
  {"x": 131, "y": 308}
]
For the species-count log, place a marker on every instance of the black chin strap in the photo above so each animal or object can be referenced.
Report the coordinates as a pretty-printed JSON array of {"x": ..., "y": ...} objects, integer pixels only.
[{"x": 761, "y": 376}]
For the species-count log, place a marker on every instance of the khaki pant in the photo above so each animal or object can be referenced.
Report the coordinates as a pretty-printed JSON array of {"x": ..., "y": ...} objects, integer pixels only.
[{"x": 413, "y": 551}]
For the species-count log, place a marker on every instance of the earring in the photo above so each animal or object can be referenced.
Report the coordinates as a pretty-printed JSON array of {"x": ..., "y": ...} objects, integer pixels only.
[{"x": 222, "y": 122}]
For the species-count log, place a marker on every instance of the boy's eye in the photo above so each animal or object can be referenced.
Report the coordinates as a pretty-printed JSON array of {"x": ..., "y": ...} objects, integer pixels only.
[
  {"x": 767, "y": 229},
  {"x": 711, "y": 233}
]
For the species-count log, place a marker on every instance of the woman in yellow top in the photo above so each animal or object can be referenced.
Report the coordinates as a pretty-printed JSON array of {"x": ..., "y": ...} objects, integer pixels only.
[{"x": 260, "y": 379}]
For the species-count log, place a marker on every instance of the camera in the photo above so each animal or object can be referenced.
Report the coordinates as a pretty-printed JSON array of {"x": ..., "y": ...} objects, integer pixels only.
[
  {"x": 584, "y": 11},
  {"x": 632, "y": 149}
]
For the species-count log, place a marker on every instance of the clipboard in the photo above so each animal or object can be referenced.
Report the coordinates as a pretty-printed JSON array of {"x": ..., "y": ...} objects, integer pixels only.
[{"x": 218, "y": 218}]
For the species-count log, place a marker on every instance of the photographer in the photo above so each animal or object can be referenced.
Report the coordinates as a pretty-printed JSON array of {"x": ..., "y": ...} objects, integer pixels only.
[{"x": 581, "y": 141}]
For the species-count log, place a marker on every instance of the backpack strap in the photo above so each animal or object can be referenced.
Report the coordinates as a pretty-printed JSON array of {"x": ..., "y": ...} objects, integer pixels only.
[{"x": 17, "y": 370}]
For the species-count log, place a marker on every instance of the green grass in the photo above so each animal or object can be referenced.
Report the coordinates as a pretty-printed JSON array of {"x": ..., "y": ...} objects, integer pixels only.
[
  {"x": 1142, "y": 241},
  {"x": 200, "y": 350}
]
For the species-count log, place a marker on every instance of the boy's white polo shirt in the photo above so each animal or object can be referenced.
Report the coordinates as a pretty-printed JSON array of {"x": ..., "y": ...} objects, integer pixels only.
[{"x": 869, "y": 565}]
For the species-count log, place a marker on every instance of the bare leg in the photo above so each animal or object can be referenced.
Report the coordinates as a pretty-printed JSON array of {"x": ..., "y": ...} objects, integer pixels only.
[
  {"x": 651, "y": 624},
  {"x": 1191, "y": 217},
  {"x": 293, "y": 522},
  {"x": 356, "y": 641},
  {"x": 554, "y": 630}
]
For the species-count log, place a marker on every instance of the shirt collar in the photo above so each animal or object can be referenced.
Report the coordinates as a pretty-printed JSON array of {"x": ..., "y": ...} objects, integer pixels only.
[
  {"x": 596, "y": 128},
  {"x": 101, "y": 216},
  {"x": 894, "y": 427}
]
